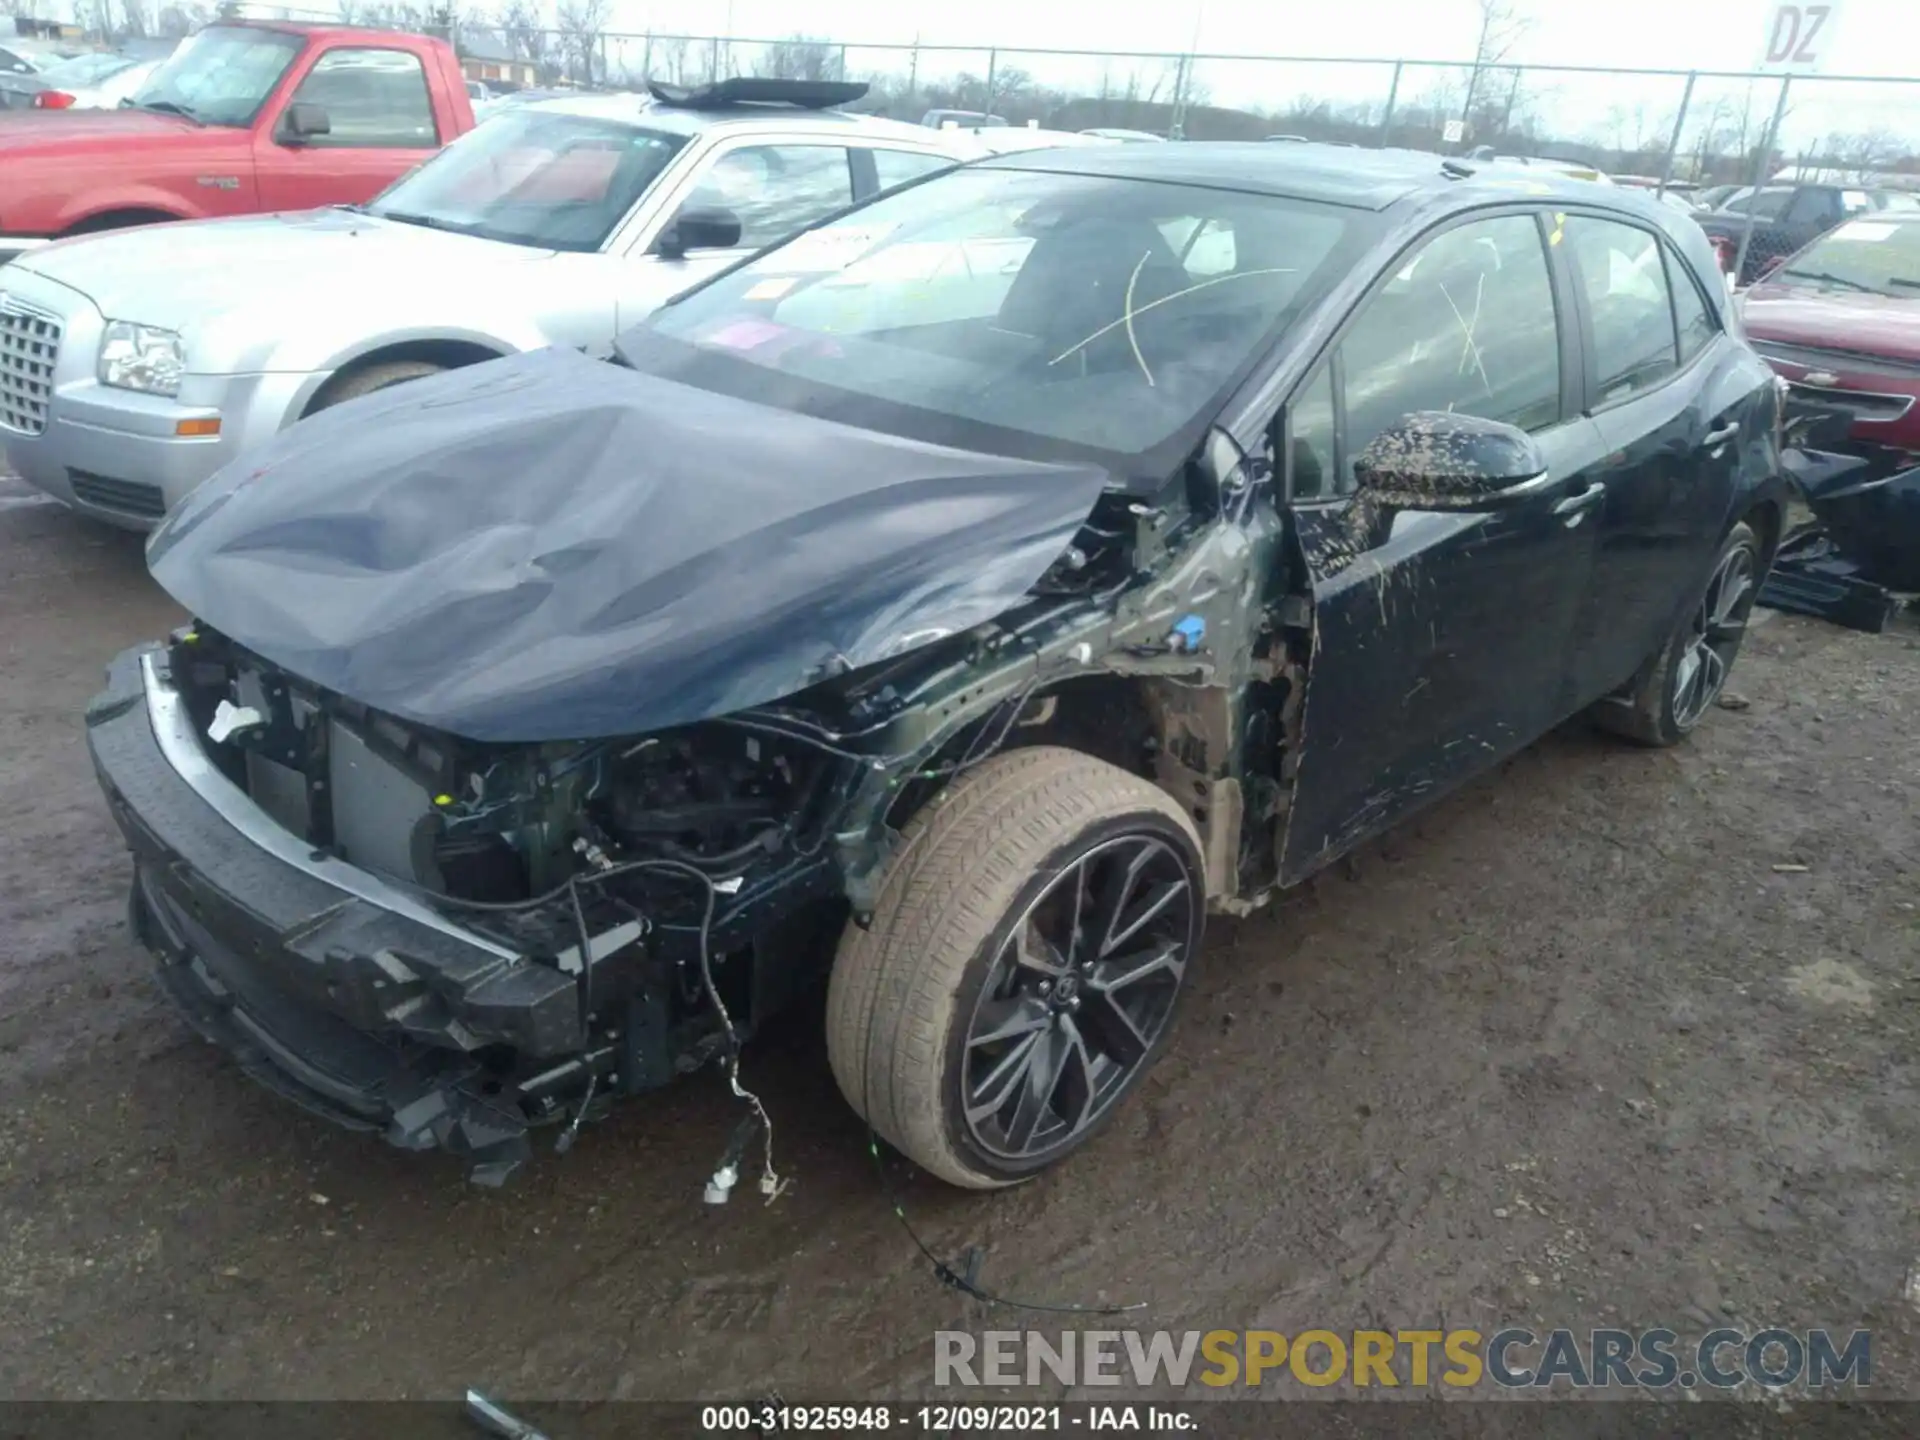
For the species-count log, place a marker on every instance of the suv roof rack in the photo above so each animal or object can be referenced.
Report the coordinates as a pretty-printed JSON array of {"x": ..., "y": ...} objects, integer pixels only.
[{"x": 756, "y": 90}]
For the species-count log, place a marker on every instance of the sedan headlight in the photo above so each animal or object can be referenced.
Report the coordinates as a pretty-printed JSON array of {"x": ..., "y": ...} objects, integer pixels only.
[{"x": 142, "y": 357}]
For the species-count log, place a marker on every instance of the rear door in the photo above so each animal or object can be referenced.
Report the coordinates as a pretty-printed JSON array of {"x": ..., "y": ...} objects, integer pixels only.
[
  {"x": 381, "y": 123},
  {"x": 1672, "y": 398},
  {"x": 1439, "y": 637}
]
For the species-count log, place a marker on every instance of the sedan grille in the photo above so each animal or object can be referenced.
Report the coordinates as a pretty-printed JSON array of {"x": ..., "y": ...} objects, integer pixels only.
[{"x": 29, "y": 344}]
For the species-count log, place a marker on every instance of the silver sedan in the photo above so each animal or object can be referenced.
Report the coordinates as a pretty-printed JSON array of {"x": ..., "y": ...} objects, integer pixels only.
[{"x": 135, "y": 364}]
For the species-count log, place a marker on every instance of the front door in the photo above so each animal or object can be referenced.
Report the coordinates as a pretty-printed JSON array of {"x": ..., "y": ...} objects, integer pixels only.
[
  {"x": 773, "y": 189},
  {"x": 380, "y": 125},
  {"x": 1440, "y": 637}
]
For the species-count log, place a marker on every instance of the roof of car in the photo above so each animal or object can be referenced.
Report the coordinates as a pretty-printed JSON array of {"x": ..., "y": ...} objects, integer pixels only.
[
  {"x": 679, "y": 120},
  {"x": 1334, "y": 174}
]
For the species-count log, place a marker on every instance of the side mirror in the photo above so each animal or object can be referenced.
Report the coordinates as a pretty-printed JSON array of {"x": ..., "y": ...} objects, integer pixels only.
[
  {"x": 303, "y": 122},
  {"x": 699, "y": 227},
  {"x": 1437, "y": 460}
]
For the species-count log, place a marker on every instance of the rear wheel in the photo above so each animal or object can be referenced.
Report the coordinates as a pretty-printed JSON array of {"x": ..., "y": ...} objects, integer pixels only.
[
  {"x": 1023, "y": 966},
  {"x": 1674, "y": 694},
  {"x": 370, "y": 378}
]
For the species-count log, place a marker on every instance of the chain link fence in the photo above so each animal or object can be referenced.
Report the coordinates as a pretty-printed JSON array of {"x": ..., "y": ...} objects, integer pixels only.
[{"x": 1692, "y": 128}]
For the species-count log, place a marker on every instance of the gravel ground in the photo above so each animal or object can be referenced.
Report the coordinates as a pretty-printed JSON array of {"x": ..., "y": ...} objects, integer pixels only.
[{"x": 1611, "y": 1037}]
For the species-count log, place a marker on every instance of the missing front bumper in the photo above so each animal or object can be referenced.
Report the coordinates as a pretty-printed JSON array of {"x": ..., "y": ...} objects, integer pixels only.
[{"x": 349, "y": 997}]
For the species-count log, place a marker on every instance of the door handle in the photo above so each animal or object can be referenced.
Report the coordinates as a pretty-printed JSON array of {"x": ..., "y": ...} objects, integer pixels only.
[
  {"x": 1722, "y": 434},
  {"x": 1574, "y": 508}
]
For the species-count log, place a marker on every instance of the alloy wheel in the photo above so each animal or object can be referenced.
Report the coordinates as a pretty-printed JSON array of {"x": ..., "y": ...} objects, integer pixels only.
[
  {"x": 1077, "y": 997},
  {"x": 1713, "y": 637}
]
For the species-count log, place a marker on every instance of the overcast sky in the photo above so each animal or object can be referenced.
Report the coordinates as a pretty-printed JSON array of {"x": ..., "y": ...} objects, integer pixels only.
[
  {"x": 1873, "y": 37},
  {"x": 1870, "y": 38}
]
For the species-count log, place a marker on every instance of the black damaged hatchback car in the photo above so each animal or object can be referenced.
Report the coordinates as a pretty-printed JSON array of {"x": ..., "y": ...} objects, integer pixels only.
[{"x": 956, "y": 602}]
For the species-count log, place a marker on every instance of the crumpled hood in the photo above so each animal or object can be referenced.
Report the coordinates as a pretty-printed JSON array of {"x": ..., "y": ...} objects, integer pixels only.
[
  {"x": 550, "y": 547},
  {"x": 181, "y": 275}
]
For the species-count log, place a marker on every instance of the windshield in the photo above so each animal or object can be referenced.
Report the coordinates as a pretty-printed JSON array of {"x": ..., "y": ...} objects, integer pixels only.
[
  {"x": 534, "y": 177},
  {"x": 1108, "y": 314},
  {"x": 85, "y": 70},
  {"x": 222, "y": 76},
  {"x": 1881, "y": 255}
]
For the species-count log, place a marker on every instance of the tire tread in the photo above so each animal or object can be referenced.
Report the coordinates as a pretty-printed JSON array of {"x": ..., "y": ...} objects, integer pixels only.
[{"x": 962, "y": 861}]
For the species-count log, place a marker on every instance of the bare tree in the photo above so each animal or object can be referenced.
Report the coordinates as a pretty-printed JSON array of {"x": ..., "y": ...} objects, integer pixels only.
[
  {"x": 1502, "y": 26},
  {"x": 180, "y": 19},
  {"x": 133, "y": 18},
  {"x": 1146, "y": 87},
  {"x": 672, "y": 60},
  {"x": 522, "y": 25},
  {"x": 582, "y": 23},
  {"x": 1865, "y": 153},
  {"x": 802, "y": 58},
  {"x": 11, "y": 8},
  {"x": 394, "y": 15}
]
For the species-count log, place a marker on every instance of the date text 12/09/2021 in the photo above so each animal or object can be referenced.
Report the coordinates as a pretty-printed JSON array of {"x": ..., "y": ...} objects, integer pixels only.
[{"x": 944, "y": 1419}]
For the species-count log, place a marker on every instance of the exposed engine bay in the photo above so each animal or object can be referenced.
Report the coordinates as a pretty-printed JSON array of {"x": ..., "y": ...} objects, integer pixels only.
[{"x": 664, "y": 893}]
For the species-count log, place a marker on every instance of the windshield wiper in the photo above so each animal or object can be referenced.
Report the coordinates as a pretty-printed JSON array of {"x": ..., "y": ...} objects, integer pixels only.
[
  {"x": 165, "y": 107},
  {"x": 1829, "y": 279},
  {"x": 1904, "y": 282},
  {"x": 428, "y": 222}
]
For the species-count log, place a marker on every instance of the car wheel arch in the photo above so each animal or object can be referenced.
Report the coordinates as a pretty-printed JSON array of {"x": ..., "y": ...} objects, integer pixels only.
[
  {"x": 447, "y": 352},
  {"x": 1182, "y": 738},
  {"x": 119, "y": 217}
]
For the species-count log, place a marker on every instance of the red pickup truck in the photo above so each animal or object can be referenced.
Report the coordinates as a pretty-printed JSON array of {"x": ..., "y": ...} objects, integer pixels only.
[{"x": 244, "y": 116}]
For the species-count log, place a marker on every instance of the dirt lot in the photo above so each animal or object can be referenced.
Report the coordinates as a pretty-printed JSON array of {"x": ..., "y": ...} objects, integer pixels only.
[{"x": 1570, "y": 1049}]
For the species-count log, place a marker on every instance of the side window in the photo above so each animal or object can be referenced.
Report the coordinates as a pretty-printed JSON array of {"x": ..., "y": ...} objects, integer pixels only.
[
  {"x": 373, "y": 99},
  {"x": 1467, "y": 325},
  {"x": 776, "y": 189},
  {"x": 897, "y": 167},
  {"x": 1310, "y": 440},
  {"x": 1692, "y": 319},
  {"x": 1767, "y": 204},
  {"x": 1621, "y": 273},
  {"x": 1812, "y": 206}
]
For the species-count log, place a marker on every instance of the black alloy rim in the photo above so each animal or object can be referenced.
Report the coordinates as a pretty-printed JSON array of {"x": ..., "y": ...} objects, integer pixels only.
[
  {"x": 1713, "y": 638},
  {"x": 1077, "y": 997}
]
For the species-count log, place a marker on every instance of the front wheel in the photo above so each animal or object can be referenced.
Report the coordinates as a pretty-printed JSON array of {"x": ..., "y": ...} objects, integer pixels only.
[
  {"x": 369, "y": 379},
  {"x": 1673, "y": 696},
  {"x": 1023, "y": 965}
]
